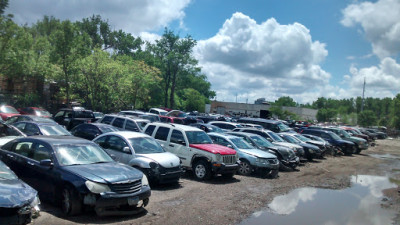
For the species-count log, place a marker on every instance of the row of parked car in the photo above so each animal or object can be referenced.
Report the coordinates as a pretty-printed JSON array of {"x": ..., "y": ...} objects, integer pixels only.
[{"x": 109, "y": 164}]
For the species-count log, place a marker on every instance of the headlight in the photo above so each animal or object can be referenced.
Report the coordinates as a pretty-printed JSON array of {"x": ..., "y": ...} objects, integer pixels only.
[
  {"x": 219, "y": 157},
  {"x": 145, "y": 182},
  {"x": 96, "y": 187}
]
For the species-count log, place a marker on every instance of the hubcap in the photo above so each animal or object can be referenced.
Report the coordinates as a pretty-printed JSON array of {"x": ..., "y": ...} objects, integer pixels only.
[
  {"x": 244, "y": 168},
  {"x": 200, "y": 171}
]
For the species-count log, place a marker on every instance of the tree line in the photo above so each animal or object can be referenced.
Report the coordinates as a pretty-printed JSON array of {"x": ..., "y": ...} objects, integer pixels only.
[{"x": 104, "y": 69}]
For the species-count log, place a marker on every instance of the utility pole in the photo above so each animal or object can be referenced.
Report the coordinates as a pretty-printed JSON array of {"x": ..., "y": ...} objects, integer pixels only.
[{"x": 362, "y": 102}]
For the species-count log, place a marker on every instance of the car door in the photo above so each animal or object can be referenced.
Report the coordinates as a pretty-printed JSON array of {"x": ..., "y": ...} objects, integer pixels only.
[
  {"x": 179, "y": 145},
  {"x": 161, "y": 134},
  {"x": 18, "y": 158},
  {"x": 114, "y": 146}
]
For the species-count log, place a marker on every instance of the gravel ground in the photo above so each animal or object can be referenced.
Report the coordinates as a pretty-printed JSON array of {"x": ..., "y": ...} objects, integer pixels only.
[{"x": 229, "y": 201}]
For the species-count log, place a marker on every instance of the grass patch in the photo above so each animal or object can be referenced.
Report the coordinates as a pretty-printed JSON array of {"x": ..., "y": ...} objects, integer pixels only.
[{"x": 394, "y": 181}]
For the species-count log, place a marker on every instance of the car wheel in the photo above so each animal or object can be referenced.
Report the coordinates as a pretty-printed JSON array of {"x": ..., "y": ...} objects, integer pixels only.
[
  {"x": 245, "y": 168},
  {"x": 202, "y": 170},
  {"x": 70, "y": 204},
  {"x": 284, "y": 168}
]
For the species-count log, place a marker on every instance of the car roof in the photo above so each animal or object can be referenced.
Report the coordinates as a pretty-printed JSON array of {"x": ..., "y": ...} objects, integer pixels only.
[
  {"x": 178, "y": 126},
  {"x": 127, "y": 134},
  {"x": 223, "y": 135},
  {"x": 56, "y": 140},
  {"x": 138, "y": 119},
  {"x": 260, "y": 120},
  {"x": 243, "y": 133},
  {"x": 39, "y": 123}
]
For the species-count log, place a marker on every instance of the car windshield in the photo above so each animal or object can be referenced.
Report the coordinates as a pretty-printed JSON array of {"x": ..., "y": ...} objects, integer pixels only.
[
  {"x": 43, "y": 119},
  {"x": 291, "y": 139},
  {"x": 335, "y": 136},
  {"x": 8, "y": 109},
  {"x": 240, "y": 143},
  {"x": 275, "y": 137},
  {"x": 215, "y": 129},
  {"x": 41, "y": 112},
  {"x": 163, "y": 113},
  {"x": 145, "y": 145},
  {"x": 54, "y": 129},
  {"x": 80, "y": 154},
  {"x": 344, "y": 133},
  {"x": 6, "y": 173},
  {"x": 141, "y": 124},
  {"x": 98, "y": 114},
  {"x": 261, "y": 141},
  {"x": 282, "y": 127},
  {"x": 84, "y": 114},
  {"x": 198, "y": 137},
  {"x": 302, "y": 138},
  {"x": 106, "y": 129}
]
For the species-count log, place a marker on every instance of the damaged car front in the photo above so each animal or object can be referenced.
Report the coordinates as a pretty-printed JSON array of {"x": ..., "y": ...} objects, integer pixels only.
[{"x": 19, "y": 203}]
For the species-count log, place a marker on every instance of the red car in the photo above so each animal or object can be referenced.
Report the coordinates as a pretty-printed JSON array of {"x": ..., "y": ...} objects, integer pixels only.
[
  {"x": 34, "y": 111},
  {"x": 7, "y": 111}
]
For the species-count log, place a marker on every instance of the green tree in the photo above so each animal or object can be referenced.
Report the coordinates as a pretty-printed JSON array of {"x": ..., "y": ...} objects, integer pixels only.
[
  {"x": 193, "y": 100},
  {"x": 367, "y": 118},
  {"x": 285, "y": 101}
]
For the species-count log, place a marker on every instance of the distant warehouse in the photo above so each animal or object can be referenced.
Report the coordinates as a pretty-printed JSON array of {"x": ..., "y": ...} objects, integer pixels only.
[{"x": 255, "y": 110}]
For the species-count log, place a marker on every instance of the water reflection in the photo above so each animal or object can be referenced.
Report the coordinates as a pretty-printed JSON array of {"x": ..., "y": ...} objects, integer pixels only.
[{"x": 359, "y": 204}]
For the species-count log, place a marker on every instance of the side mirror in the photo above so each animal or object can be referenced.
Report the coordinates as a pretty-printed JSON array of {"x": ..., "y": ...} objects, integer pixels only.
[
  {"x": 46, "y": 162},
  {"x": 126, "y": 150},
  {"x": 113, "y": 157}
]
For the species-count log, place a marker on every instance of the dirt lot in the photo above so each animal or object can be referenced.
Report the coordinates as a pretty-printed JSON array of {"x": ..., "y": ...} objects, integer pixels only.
[{"x": 229, "y": 201}]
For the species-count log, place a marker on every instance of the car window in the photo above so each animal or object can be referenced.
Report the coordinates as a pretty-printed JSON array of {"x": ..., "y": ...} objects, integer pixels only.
[
  {"x": 149, "y": 130},
  {"x": 24, "y": 148},
  {"x": 40, "y": 152},
  {"x": 142, "y": 124},
  {"x": 31, "y": 129},
  {"x": 59, "y": 114},
  {"x": 145, "y": 145},
  {"x": 162, "y": 133},
  {"x": 12, "y": 120},
  {"x": 220, "y": 141},
  {"x": 116, "y": 143},
  {"x": 118, "y": 122},
  {"x": 130, "y": 125},
  {"x": 20, "y": 126},
  {"x": 107, "y": 119},
  {"x": 177, "y": 137},
  {"x": 101, "y": 141}
]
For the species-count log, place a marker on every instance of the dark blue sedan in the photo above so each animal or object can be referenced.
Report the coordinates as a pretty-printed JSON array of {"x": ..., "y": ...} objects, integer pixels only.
[{"x": 76, "y": 172}]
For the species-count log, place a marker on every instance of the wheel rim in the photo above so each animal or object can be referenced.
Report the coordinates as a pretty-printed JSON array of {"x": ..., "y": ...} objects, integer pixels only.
[
  {"x": 66, "y": 200},
  {"x": 200, "y": 171},
  {"x": 244, "y": 168}
]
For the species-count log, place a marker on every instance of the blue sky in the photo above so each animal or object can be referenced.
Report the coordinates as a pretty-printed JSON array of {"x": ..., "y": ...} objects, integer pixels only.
[{"x": 304, "y": 49}]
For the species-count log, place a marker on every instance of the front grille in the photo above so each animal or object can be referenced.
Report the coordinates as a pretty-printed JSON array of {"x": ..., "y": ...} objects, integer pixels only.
[
  {"x": 126, "y": 188},
  {"x": 229, "y": 159},
  {"x": 273, "y": 161},
  {"x": 170, "y": 170}
]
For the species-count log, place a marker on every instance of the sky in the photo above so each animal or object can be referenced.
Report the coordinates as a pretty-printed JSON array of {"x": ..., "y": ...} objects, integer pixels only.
[{"x": 254, "y": 49}]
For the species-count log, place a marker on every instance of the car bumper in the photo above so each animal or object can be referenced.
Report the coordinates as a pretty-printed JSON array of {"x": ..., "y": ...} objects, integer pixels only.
[
  {"x": 293, "y": 163},
  {"x": 267, "y": 164},
  {"x": 107, "y": 204},
  {"x": 222, "y": 168},
  {"x": 170, "y": 175}
]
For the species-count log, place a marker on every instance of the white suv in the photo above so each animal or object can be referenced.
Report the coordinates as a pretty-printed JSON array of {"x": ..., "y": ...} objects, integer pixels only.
[{"x": 195, "y": 149}]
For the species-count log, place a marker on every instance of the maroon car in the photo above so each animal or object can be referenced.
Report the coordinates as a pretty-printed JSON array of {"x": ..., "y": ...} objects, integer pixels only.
[
  {"x": 7, "y": 111},
  {"x": 34, "y": 111}
]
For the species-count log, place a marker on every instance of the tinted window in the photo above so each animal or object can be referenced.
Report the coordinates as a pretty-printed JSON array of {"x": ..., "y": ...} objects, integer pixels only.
[
  {"x": 41, "y": 152},
  {"x": 118, "y": 122},
  {"x": 162, "y": 133},
  {"x": 177, "y": 137},
  {"x": 116, "y": 143},
  {"x": 107, "y": 119},
  {"x": 24, "y": 148},
  {"x": 130, "y": 125},
  {"x": 31, "y": 129},
  {"x": 149, "y": 130},
  {"x": 59, "y": 114}
]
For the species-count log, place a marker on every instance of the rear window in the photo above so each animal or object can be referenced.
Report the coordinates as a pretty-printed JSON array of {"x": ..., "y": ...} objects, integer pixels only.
[
  {"x": 162, "y": 133},
  {"x": 149, "y": 130},
  {"x": 107, "y": 119},
  {"x": 84, "y": 114},
  {"x": 118, "y": 122}
]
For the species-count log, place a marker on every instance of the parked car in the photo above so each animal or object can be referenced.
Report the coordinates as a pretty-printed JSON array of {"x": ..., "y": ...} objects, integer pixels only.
[
  {"x": 20, "y": 118},
  {"x": 196, "y": 150},
  {"x": 310, "y": 151},
  {"x": 158, "y": 111},
  {"x": 207, "y": 127},
  {"x": 98, "y": 115},
  {"x": 91, "y": 130},
  {"x": 125, "y": 122},
  {"x": 76, "y": 172},
  {"x": 346, "y": 147},
  {"x": 225, "y": 126},
  {"x": 7, "y": 111},
  {"x": 356, "y": 133},
  {"x": 36, "y": 111},
  {"x": 72, "y": 117},
  {"x": 286, "y": 156},
  {"x": 379, "y": 134},
  {"x": 142, "y": 152},
  {"x": 251, "y": 159},
  {"x": 273, "y": 125},
  {"x": 131, "y": 113},
  {"x": 19, "y": 203},
  {"x": 274, "y": 139},
  {"x": 151, "y": 117},
  {"x": 41, "y": 128},
  {"x": 370, "y": 134},
  {"x": 360, "y": 143},
  {"x": 330, "y": 149},
  {"x": 9, "y": 133},
  {"x": 176, "y": 113}
]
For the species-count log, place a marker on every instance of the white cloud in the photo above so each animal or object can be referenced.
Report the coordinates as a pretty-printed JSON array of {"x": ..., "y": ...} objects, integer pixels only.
[
  {"x": 133, "y": 16},
  {"x": 381, "y": 81},
  {"x": 381, "y": 23},
  {"x": 263, "y": 60}
]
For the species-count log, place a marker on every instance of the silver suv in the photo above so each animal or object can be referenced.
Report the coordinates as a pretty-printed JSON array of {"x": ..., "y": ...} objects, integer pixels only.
[{"x": 124, "y": 122}]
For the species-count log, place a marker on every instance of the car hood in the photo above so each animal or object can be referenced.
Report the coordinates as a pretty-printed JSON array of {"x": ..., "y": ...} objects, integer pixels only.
[
  {"x": 165, "y": 159},
  {"x": 285, "y": 152},
  {"x": 317, "y": 143},
  {"x": 306, "y": 145},
  {"x": 214, "y": 148},
  {"x": 357, "y": 139},
  {"x": 258, "y": 153},
  {"x": 287, "y": 144},
  {"x": 15, "y": 193},
  {"x": 105, "y": 172}
]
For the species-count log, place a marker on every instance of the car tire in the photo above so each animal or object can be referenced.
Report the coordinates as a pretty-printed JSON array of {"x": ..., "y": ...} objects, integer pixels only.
[
  {"x": 284, "y": 168},
  {"x": 245, "y": 168},
  {"x": 70, "y": 204},
  {"x": 201, "y": 170}
]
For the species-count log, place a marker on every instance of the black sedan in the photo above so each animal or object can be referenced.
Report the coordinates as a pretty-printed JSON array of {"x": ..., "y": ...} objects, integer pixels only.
[
  {"x": 91, "y": 130},
  {"x": 18, "y": 201},
  {"x": 41, "y": 128},
  {"x": 76, "y": 172}
]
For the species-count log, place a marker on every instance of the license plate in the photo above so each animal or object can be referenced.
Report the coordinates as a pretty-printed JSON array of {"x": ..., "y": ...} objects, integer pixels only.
[{"x": 133, "y": 200}]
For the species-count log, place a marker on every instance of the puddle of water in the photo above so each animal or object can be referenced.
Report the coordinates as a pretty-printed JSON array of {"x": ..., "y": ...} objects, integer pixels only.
[
  {"x": 359, "y": 204},
  {"x": 384, "y": 156}
]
